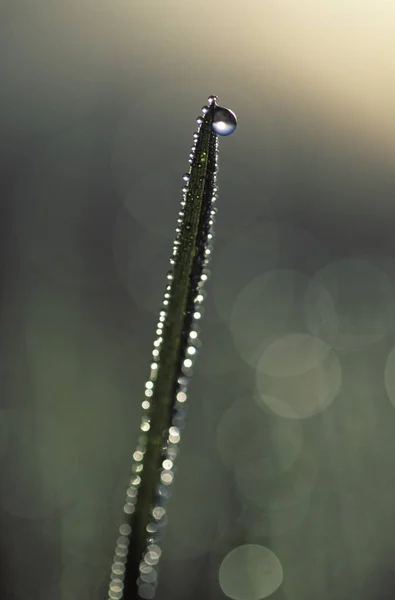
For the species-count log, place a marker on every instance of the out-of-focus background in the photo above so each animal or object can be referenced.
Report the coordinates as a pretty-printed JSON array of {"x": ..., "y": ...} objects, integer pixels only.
[{"x": 286, "y": 482}]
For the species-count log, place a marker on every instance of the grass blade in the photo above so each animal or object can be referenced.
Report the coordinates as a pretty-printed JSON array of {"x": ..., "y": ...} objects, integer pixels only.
[{"x": 138, "y": 550}]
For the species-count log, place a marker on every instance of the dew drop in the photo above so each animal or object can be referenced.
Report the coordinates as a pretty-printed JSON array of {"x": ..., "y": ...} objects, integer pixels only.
[
  {"x": 224, "y": 121},
  {"x": 199, "y": 120},
  {"x": 205, "y": 109},
  {"x": 212, "y": 99}
]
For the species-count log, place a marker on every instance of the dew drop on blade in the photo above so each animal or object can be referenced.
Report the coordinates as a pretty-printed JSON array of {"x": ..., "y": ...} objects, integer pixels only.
[{"x": 224, "y": 121}]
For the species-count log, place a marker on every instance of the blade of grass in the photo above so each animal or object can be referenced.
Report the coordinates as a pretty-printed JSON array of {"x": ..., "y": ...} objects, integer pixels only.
[{"x": 138, "y": 551}]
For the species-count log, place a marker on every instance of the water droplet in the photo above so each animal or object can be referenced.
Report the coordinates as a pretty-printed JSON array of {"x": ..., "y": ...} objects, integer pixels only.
[
  {"x": 186, "y": 177},
  {"x": 224, "y": 121},
  {"x": 212, "y": 99},
  {"x": 205, "y": 109},
  {"x": 199, "y": 120}
]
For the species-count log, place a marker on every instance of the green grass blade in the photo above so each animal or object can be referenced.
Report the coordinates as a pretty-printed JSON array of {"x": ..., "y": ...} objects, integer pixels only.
[{"x": 138, "y": 547}]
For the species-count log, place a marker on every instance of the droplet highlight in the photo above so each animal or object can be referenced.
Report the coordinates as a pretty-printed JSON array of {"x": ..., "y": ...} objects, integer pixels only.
[{"x": 224, "y": 121}]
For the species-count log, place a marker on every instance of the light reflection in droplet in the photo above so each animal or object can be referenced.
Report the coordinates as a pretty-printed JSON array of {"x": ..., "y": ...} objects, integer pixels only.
[
  {"x": 158, "y": 513},
  {"x": 167, "y": 477},
  {"x": 123, "y": 541},
  {"x": 150, "y": 577},
  {"x": 224, "y": 121},
  {"x": 116, "y": 585},
  {"x": 118, "y": 568},
  {"x": 125, "y": 529},
  {"x": 174, "y": 435},
  {"x": 181, "y": 396}
]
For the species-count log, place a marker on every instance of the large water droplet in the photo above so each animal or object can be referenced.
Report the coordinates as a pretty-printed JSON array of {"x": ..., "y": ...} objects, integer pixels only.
[{"x": 224, "y": 121}]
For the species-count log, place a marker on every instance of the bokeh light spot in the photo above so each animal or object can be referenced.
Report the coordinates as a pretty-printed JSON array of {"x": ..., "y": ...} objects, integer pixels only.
[
  {"x": 257, "y": 250},
  {"x": 300, "y": 394},
  {"x": 350, "y": 304},
  {"x": 268, "y": 306},
  {"x": 293, "y": 354},
  {"x": 250, "y": 572}
]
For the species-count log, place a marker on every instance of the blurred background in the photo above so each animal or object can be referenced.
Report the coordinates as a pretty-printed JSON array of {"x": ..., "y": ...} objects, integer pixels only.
[{"x": 285, "y": 484}]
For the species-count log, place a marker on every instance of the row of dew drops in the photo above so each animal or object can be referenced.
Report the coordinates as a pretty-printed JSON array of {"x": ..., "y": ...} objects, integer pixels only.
[{"x": 147, "y": 580}]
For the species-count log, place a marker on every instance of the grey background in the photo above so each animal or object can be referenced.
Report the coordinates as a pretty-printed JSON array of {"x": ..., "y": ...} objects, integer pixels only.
[{"x": 98, "y": 104}]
